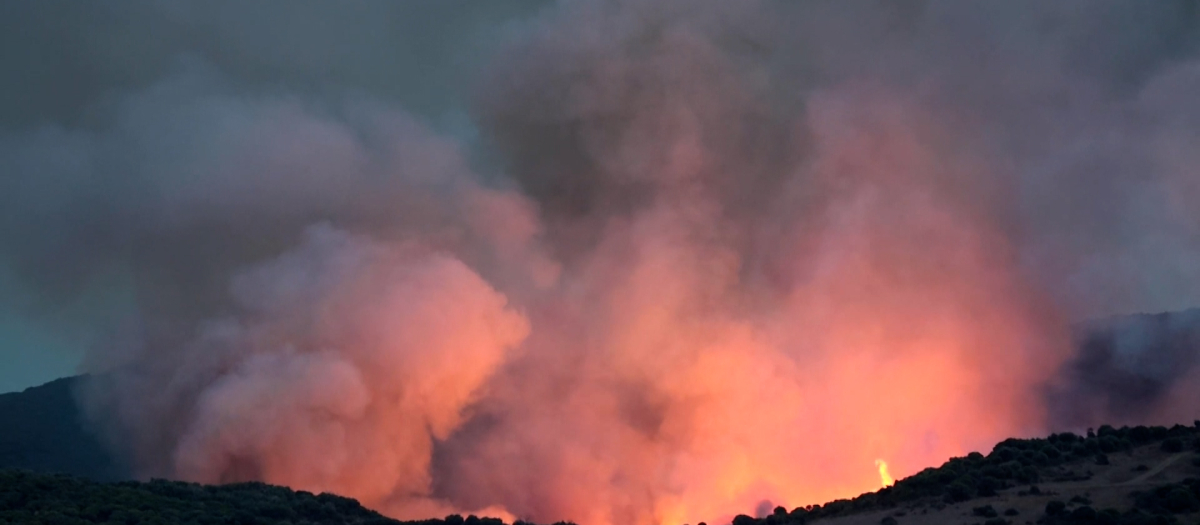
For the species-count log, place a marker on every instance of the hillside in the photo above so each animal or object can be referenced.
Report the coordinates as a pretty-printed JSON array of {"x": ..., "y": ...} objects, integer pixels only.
[
  {"x": 44, "y": 431},
  {"x": 30, "y": 499},
  {"x": 1126, "y": 476}
]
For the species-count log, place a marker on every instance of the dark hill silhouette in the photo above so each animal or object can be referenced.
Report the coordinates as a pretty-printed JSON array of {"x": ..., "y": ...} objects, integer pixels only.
[
  {"x": 43, "y": 430},
  {"x": 29, "y": 499},
  {"x": 1054, "y": 480}
]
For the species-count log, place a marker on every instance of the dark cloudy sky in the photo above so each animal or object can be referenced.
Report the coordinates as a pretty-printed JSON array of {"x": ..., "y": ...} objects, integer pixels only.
[
  {"x": 98, "y": 95},
  {"x": 66, "y": 63}
]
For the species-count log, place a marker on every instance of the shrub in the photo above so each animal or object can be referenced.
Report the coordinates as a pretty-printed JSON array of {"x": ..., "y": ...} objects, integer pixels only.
[
  {"x": 1054, "y": 508},
  {"x": 996, "y": 521},
  {"x": 1027, "y": 475},
  {"x": 985, "y": 511},
  {"x": 798, "y": 514},
  {"x": 1040, "y": 458},
  {"x": 1172, "y": 445},
  {"x": 1181, "y": 499},
  {"x": 1108, "y": 517},
  {"x": 1083, "y": 514},
  {"x": 1003, "y": 453},
  {"x": 988, "y": 486},
  {"x": 1109, "y": 444},
  {"x": 1139, "y": 434},
  {"x": 1011, "y": 512},
  {"x": 887, "y": 520},
  {"x": 957, "y": 491}
]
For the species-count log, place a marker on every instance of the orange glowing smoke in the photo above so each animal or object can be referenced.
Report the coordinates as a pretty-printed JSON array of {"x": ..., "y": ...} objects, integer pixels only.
[
  {"x": 649, "y": 381},
  {"x": 661, "y": 388},
  {"x": 667, "y": 353},
  {"x": 885, "y": 479}
]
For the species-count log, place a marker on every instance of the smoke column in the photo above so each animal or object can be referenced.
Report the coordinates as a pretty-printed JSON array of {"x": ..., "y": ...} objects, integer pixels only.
[
  {"x": 650, "y": 263},
  {"x": 1130, "y": 370}
]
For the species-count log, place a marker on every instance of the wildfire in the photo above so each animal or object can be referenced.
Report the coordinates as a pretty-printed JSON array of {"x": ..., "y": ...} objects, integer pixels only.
[{"x": 885, "y": 479}]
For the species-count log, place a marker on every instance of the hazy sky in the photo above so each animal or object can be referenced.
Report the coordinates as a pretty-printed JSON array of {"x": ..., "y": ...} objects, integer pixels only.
[
  {"x": 78, "y": 73},
  {"x": 65, "y": 62}
]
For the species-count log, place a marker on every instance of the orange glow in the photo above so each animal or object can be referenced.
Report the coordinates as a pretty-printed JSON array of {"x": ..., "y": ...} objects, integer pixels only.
[
  {"x": 665, "y": 363},
  {"x": 650, "y": 383}
]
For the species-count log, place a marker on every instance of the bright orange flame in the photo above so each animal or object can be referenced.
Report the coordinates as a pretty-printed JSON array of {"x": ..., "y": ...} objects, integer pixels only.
[{"x": 885, "y": 479}]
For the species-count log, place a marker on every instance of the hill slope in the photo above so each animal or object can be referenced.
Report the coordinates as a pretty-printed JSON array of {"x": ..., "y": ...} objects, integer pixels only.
[
  {"x": 44, "y": 431},
  {"x": 29, "y": 499},
  {"x": 1126, "y": 476}
]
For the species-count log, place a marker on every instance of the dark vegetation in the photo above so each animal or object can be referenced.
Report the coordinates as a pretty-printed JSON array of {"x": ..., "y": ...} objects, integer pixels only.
[
  {"x": 1159, "y": 506},
  {"x": 52, "y": 499},
  {"x": 44, "y": 431},
  {"x": 1024, "y": 463},
  {"x": 28, "y": 498}
]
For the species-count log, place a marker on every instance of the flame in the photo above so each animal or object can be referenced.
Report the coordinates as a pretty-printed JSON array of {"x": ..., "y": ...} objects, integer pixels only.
[{"x": 885, "y": 479}]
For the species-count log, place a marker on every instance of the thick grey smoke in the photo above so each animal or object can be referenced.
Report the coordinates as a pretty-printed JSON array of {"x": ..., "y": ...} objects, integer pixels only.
[
  {"x": 1130, "y": 370},
  {"x": 603, "y": 261}
]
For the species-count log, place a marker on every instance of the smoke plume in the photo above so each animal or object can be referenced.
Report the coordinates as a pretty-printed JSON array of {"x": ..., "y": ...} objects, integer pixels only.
[
  {"x": 1130, "y": 370},
  {"x": 611, "y": 261}
]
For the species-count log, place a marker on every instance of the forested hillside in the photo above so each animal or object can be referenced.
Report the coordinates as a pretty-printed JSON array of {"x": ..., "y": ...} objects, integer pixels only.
[
  {"x": 43, "y": 430},
  {"x": 28, "y": 499}
]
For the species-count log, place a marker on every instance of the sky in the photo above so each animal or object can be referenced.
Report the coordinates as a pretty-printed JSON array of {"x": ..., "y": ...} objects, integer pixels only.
[
  {"x": 64, "y": 60},
  {"x": 67, "y": 62},
  {"x": 608, "y": 261}
]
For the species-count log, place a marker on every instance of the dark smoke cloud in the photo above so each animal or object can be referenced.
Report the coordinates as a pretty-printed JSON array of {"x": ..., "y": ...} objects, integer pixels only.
[
  {"x": 603, "y": 261},
  {"x": 1130, "y": 370}
]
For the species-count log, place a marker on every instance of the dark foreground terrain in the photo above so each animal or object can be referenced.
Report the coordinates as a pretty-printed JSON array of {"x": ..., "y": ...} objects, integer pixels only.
[
  {"x": 28, "y": 498},
  {"x": 43, "y": 430},
  {"x": 1125, "y": 476}
]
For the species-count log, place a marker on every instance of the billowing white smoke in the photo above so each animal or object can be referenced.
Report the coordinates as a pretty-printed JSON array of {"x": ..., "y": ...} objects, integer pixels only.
[
  {"x": 353, "y": 355},
  {"x": 343, "y": 361}
]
